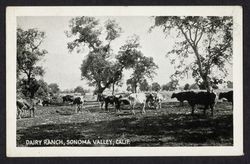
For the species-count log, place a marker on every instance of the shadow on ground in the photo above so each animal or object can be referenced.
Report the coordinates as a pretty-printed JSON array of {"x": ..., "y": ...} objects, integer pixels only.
[{"x": 153, "y": 130}]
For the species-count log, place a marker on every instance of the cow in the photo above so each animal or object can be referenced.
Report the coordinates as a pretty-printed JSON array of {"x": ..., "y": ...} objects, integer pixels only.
[
  {"x": 201, "y": 98},
  {"x": 158, "y": 98},
  {"x": 140, "y": 98},
  {"x": 23, "y": 104},
  {"x": 78, "y": 101},
  {"x": 100, "y": 99},
  {"x": 112, "y": 99},
  {"x": 46, "y": 102},
  {"x": 68, "y": 98},
  {"x": 227, "y": 95},
  {"x": 182, "y": 96}
]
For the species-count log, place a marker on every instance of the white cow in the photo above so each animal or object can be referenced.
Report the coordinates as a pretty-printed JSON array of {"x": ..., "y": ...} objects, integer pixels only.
[
  {"x": 23, "y": 105},
  {"x": 137, "y": 98},
  {"x": 158, "y": 99}
]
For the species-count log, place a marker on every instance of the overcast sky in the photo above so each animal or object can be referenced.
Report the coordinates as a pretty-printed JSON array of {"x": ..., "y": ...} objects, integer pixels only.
[{"x": 63, "y": 67}]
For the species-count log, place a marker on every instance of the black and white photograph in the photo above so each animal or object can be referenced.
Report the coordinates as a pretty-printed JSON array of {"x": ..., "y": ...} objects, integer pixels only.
[{"x": 124, "y": 80}]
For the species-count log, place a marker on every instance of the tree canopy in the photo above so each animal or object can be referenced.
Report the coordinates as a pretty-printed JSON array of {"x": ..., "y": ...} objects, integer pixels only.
[
  {"x": 156, "y": 87},
  {"x": 206, "y": 41},
  {"x": 28, "y": 55},
  {"x": 97, "y": 67},
  {"x": 100, "y": 68}
]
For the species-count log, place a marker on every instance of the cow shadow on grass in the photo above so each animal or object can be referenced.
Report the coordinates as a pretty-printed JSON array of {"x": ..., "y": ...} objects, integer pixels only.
[{"x": 163, "y": 130}]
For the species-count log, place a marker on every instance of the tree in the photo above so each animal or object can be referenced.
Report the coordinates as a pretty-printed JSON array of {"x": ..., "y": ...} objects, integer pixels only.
[
  {"x": 144, "y": 86},
  {"x": 28, "y": 87},
  {"x": 206, "y": 40},
  {"x": 43, "y": 90},
  {"x": 130, "y": 57},
  {"x": 97, "y": 67},
  {"x": 194, "y": 86},
  {"x": 54, "y": 88},
  {"x": 80, "y": 89},
  {"x": 186, "y": 87},
  {"x": 28, "y": 55},
  {"x": 156, "y": 87},
  {"x": 165, "y": 87},
  {"x": 171, "y": 86},
  {"x": 144, "y": 67}
]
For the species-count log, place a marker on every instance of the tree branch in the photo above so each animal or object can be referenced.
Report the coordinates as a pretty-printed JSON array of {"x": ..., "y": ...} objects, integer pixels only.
[{"x": 201, "y": 33}]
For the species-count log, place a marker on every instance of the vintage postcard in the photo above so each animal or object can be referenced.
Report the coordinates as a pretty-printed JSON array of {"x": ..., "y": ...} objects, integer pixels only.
[{"x": 124, "y": 81}]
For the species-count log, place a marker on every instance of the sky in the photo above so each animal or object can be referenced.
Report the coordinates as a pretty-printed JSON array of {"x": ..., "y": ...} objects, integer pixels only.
[{"x": 63, "y": 67}]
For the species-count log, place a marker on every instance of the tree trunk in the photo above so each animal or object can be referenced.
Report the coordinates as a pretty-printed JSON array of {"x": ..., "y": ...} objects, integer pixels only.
[
  {"x": 202, "y": 73},
  {"x": 113, "y": 88}
]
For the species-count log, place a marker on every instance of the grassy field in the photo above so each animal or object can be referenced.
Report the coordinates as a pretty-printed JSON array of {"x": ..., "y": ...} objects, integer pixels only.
[{"x": 170, "y": 126}]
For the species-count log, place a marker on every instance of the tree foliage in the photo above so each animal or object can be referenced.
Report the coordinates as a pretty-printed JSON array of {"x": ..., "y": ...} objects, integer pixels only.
[
  {"x": 156, "y": 87},
  {"x": 80, "y": 89},
  {"x": 43, "y": 90},
  {"x": 206, "y": 40},
  {"x": 229, "y": 84},
  {"x": 28, "y": 55},
  {"x": 186, "y": 86},
  {"x": 144, "y": 86},
  {"x": 171, "y": 86},
  {"x": 54, "y": 88},
  {"x": 97, "y": 67}
]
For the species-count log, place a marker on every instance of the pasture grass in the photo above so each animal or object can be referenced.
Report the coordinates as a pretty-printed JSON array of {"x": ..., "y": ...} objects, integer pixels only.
[{"x": 170, "y": 126}]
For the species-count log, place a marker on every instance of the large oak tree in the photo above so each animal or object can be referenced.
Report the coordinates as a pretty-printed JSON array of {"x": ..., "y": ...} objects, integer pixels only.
[
  {"x": 29, "y": 54},
  {"x": 205, "y": 41}
]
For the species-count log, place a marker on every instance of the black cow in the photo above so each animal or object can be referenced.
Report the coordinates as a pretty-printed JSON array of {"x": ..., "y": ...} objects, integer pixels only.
[
  {"x": 78, "y": 101},
  {"x": 68, "y": 98},
  {"x": 227, "y": 95},
  {"x": 112, "y": 99},
  {"x": 201, "y": 98},
  {"x": 182, "y": 96},
  {"x": 46, "y": 102}
]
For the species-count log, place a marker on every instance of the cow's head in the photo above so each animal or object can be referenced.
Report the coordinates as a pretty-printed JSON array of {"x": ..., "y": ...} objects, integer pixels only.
[
  {"x": 173, "y": 95},
  {"x": 221, "y": 95}
]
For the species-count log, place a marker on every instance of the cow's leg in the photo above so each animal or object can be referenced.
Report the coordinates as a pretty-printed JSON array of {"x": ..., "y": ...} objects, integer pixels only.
[
  {"x": 205, "y": 108},
  {"x": 132, "y": 109},
  {"x": 101, "y": 104},
  {"x": 143, "y": 108},
  {"x": 106, "y": 106},
  {"x": 117, "y": 106},
  {"x": 212, "y": 110},
  {"x": 193, "y": 108},
  {"x": 181, "y": 103},
  {"x": 18, "y": 113},
  {"x": 76, "y": 108},
  {"x": 34, "y": 112}
]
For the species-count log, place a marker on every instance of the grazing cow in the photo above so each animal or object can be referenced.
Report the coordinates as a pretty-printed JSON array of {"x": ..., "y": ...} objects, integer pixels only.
[
  {"x": 227, "y": 95},
  {"x": 100, "y": 99},
  {"x": 78, "y": 101},
  {"x": 68, "y": 98},
  {"x": 46, "y": 102},
  {"x": 22, "y": 105},
  {"x": 201, "y": 98},
  {"x": 113, "y": 99},
  {"x": 140, "y": 98},
  {"x": 182, "y": 96},
  {"x": 158, "y": 98}
]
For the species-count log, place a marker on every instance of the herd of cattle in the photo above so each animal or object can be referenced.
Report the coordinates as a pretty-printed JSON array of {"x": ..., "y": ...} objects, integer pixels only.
[{"x": 151, "y": 100}]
